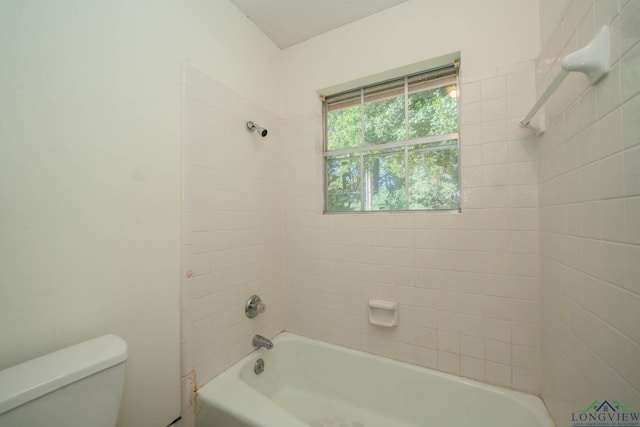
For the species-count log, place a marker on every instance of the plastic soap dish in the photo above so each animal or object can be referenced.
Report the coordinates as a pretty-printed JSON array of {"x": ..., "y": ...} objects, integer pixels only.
[{"x": 383, "y": 313}]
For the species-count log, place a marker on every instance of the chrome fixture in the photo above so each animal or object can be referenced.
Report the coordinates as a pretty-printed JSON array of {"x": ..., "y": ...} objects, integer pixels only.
[
  {"x": 258, "y": 367},
  {"x": 255, "y": 127},
  {"x": 260, "y": 341},
  {"x": 254, "y": 306}
]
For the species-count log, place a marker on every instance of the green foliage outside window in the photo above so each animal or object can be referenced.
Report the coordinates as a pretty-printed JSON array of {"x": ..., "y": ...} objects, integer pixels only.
[{"x": 415, "y": 175}]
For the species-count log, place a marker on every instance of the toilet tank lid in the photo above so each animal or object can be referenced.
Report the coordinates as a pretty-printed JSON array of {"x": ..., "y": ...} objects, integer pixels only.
[{"x": 29, "y": 380}]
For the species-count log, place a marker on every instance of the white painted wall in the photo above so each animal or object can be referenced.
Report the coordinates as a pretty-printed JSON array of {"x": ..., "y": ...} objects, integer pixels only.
[
  {"x": 90, "y": 174},
  {"x": 490, "y": 34},
  {"x": 551, "y": 13}
]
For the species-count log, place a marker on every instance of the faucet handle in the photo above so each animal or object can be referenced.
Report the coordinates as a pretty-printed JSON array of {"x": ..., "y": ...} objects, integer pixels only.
[
  {"x": 254, "y": 306},
  {"x": 261, "y": 308}
]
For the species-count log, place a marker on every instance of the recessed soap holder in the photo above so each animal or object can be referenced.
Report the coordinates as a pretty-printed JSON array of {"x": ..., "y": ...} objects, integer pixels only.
[{"x": 383, "y": 313}]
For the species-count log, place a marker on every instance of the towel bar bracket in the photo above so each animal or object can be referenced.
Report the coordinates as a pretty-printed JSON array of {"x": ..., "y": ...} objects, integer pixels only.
[{"x": 592, "y": 60}]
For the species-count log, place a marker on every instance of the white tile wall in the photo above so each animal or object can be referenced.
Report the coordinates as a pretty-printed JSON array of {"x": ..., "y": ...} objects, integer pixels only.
[
  {"x": 231, "y": 229},
  {"x": 589, "y": 217},
  {"x": 467, "y": 284}
]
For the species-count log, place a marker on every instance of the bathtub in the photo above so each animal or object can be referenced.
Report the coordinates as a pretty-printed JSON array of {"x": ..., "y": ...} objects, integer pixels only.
[{"x": 310, "y": 383}]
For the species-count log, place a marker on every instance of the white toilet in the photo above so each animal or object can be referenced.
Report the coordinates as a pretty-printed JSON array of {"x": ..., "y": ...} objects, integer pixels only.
[{"x": 79, "y": 386}]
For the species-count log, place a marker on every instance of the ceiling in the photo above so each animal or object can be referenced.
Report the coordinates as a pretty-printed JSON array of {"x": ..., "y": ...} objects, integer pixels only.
[{"x": 288, "y": 22}]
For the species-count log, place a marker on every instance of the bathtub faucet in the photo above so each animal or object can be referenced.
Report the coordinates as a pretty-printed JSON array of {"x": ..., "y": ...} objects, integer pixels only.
[{"x": 260, "y": 341}]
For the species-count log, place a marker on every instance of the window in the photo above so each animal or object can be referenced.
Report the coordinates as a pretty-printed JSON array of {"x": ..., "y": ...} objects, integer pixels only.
[{"x": 394, "y": 146}]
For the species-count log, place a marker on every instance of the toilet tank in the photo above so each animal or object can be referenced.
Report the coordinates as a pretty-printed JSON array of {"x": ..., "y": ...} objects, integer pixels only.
[{"x": 78, "y": 386}]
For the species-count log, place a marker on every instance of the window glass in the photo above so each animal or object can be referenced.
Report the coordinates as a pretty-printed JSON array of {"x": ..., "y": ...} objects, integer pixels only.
[
  {"x": 343, "y": 183},
  {"x": 433, "y": 176},
  {"x": 385, "y": 181},
  {"x": 432, "y": 110},
  {"x": 394, "y": 146},
  {"x": 384, "y": 116},
  {"x": 344, "y": 126}
]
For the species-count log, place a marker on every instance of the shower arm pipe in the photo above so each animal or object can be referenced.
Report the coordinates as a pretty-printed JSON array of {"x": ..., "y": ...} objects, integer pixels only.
[{"x": 592, "y": 60}]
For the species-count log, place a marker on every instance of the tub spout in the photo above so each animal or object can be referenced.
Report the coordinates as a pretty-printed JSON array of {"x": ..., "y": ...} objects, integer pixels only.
[{"x": 260, "y": 341}]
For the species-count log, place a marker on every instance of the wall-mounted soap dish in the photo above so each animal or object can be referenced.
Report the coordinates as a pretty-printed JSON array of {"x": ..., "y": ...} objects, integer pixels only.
[{"x": 383, "y": 313}]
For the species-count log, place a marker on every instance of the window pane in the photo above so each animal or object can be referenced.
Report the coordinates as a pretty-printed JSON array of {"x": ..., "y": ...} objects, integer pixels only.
[
  {"x": 384, "y": 119},
  {"x": 344, "y": 128},
  {"x": 384, "y": 182},
  {"x": 433, "y": 111},
  {"x": 385, "y": 164},
  {"x": 433, "y": 178},
  {"x": 343, "y": 184}
]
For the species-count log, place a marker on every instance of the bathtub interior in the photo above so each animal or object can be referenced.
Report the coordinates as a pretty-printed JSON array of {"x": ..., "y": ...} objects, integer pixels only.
[{"x": 324, "y": 385}]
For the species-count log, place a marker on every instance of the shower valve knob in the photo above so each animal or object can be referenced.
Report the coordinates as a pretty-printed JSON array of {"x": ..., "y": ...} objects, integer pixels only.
[
  {"x": 262, "y": 307},
  {"x": 254, "y": 306}
]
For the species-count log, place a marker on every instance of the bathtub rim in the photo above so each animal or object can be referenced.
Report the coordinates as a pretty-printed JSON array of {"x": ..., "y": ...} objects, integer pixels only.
[{"x": 228, "y": 401}]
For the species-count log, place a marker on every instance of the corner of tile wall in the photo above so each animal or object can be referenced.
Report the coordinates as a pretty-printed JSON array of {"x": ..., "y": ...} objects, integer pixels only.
[{"x": 231, "y": 230}]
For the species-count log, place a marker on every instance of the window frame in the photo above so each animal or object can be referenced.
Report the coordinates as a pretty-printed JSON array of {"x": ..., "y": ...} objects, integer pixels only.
[{"x": 406, "y": 143}]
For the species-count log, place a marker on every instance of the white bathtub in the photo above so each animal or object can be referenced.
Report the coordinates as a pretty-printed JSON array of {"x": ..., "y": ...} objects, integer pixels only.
[{"x": 310, "y": 383}]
